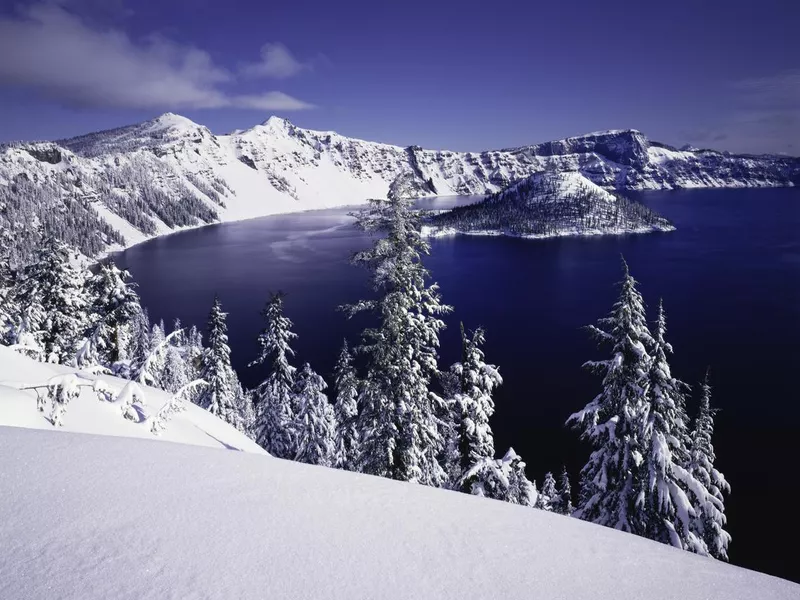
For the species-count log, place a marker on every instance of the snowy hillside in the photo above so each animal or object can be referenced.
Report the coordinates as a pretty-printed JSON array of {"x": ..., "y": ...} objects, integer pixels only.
[
  {"x": 88, "y": 414},
  {"x": 90, "y": 517},
  {"x": 115, "y": 188},
  {"x": 550, "y": 205}
]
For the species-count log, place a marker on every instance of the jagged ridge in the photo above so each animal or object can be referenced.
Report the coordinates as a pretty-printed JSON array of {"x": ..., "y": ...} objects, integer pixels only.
[{"x": 125, "y": 185}]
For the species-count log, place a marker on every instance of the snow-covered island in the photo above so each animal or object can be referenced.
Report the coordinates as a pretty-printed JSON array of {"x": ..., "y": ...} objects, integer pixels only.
[{"x": 549, "y": 205}]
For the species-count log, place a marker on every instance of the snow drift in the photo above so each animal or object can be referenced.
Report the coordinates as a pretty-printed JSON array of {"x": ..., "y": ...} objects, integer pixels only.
[
  {"x": 97, "y": 517},
  {"x": 88, "y": 414}
]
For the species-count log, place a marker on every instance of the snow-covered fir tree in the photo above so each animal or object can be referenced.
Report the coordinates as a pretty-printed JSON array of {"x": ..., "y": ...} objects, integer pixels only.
[
  {"x": 275, "y": 404},
  {"x": 194, "y": 353},
  {"x": 667, "y": 485},
  {"x": 218, "y": 396},
  {"x": 612, "y": 482},
  {"x": 113, "y": 305},
  {"x": 472, "y": 405},
  {"x": 50, "y": 305},
  {"x": 502, "y": 479},
  {"x": 346, "y": 411},
  {"x": 174, "y": 375},
  {"x": 548, "y": 495},
  {"x": 7, "y": 277},
  {"x": 709, "y": 522},
  {"x": 563, "y": 500},
  {"x": 139, "y": 347},
  {"x": 399, "y": 432},
  {"x": 314, "y": 424}
]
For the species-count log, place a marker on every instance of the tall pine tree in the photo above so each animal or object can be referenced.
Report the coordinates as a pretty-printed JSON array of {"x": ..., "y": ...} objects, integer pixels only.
[
  {"x": 472, "y": 405},
  {"x": 563, "y": 501},
  {"x": 51, "y": 305},
  {"x": 668, "y": 485},
  {"x": 612, "y": 481},
  {"x": 219, "y": 395},
  {"x": 346, "y": 410},
  {"x": 274, "y": 400},
  {"x": 314, "y": 424},
  {"x": 398, "y": 428},
  {"x": 709, "y": 522},
  {"x": 114, "y": 304}
]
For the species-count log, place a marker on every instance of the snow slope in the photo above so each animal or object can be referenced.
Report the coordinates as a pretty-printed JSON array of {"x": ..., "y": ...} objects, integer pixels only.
[
  {"x": 130, "y": 172},
  {"x": 89, "y": 517},
  {"x": 87, "y": 414}
]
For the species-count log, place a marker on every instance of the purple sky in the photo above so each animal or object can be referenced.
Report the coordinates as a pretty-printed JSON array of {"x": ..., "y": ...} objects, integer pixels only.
[{"x": 462, "y": 76}]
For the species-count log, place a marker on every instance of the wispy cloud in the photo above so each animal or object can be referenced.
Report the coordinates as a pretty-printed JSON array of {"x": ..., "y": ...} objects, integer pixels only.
[
  {"x": 764, "y": 115},
  {"x": 276, "y": 61},
  {"x": 64, "y": 57}
]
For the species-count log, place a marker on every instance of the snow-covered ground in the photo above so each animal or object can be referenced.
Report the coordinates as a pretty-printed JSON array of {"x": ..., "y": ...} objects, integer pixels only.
[
  {"x": 98, "y": 517},
  {"x": 87, "y": 414}
]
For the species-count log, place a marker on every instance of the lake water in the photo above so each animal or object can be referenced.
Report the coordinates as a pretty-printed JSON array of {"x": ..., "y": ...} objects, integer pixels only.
[{"x": 729, "y": 277}]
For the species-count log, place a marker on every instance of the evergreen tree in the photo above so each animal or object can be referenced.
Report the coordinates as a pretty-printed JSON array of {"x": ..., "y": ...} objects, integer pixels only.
[
  {"x": 612, "y": 481},
  {"x": 399, "y": 433},
  {"x": 501, "y": 479},
  {"x": 346, "y": 410},
  {"x": 668, "y": 485},
  {"x": 219, "y": 395},
  {"x": 7, "y": 281},
  {"x": 243, "y": 400},
  {"x": 51, "y": 304},
  {"x": 314, "y": 424},
  {"x": 194, "y": 353},
  {"x": 113, "y": 306},
  {"x": 274, "y": 398},
  {"x": 548, "y": 496},
  {"x": 563, "y": 502},
  {"x": 139, "y": 347},
  {"x": 472, "y": 406},
  {"x": 174, "y": 375},
  {"x": 521, "y": 490},
  {"x": 709, "y": 508}
]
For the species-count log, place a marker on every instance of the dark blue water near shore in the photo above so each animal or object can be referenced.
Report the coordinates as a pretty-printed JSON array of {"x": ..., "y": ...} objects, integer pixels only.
[{"x": 729, "y": 277}]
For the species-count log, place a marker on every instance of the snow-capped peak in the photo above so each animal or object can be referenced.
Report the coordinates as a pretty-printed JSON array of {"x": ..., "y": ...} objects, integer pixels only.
[
  {"x": 275, "y": 121},
  {"x": 172, "y": 121}
]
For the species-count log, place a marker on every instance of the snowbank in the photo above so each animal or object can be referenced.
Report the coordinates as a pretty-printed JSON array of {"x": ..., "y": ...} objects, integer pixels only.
[
  {"x": 87, "y": 414},
  {"x": 89, "y": 517}
]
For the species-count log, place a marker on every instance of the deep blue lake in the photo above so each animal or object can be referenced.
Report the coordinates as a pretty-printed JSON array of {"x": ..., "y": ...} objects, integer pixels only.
[{"x": 729, "y": 277}]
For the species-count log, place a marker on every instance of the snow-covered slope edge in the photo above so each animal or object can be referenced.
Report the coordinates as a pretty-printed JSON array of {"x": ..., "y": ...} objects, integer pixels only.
[
  {"x": 87, "y": 414},
  {"x": 90, "y": 517},
  {"x": 549, "y": 205},
  {"x": 112, "y": 189}
]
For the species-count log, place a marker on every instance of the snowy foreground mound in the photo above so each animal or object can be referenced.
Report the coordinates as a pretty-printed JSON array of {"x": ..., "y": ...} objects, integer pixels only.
[
  {"x": 87, "y": 414},
  {"x": 550, "y": 205},
  {"x": 88, "y": 517},
  {"x": 97, "y": 517}
]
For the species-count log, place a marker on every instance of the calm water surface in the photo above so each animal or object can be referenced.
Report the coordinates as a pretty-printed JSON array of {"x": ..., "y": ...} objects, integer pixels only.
[{"x": 729, "y": 277}]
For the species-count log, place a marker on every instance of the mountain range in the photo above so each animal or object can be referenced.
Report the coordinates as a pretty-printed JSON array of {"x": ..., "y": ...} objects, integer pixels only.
[{"x": 111, "y": 189}]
